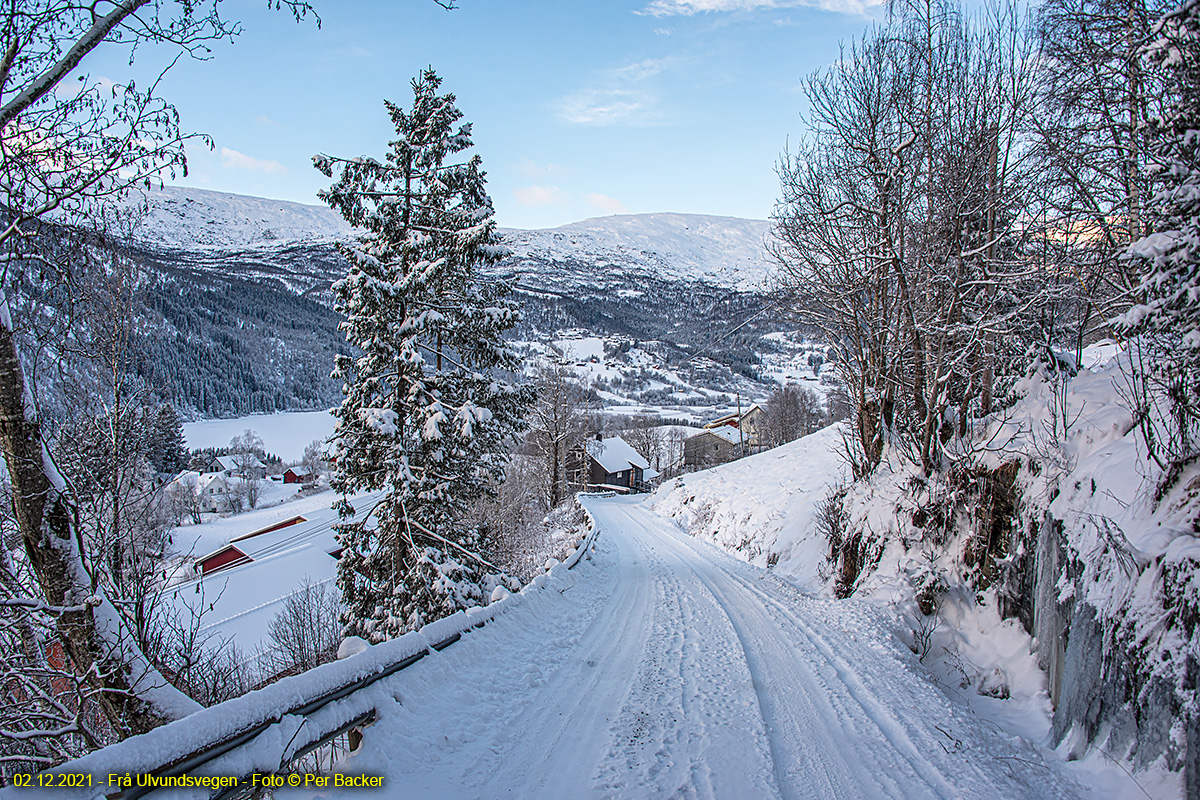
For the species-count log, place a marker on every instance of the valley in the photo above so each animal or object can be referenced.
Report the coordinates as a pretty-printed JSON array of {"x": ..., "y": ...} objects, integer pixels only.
[{"x": 238, "y": 304}]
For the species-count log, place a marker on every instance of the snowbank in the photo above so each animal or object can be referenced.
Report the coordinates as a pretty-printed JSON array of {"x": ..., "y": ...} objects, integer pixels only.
[
  {"x": 1045, "y": 526},
  {"x": 762, "y": 507},
  {"x": 316, "y": 699}
]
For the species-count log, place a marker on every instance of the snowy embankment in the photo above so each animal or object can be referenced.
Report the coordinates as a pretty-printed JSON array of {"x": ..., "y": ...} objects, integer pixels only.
[
  {"x": 764, "y": 510},
  {"x": 262, "y": 730},
  {"x": 762, "y": 507},
  {"x": 1049, "y": 516}
]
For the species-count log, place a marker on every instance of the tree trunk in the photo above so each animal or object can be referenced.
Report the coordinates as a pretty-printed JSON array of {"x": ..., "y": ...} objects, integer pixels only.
[{"x": 46, "y": 519}]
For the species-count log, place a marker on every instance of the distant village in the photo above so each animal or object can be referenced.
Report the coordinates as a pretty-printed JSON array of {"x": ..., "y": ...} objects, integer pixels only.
[{"x": 278, "y": 542}]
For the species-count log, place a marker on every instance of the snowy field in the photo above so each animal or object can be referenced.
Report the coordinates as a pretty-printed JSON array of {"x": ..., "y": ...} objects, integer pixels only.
[{"x": 285, "y": 434}]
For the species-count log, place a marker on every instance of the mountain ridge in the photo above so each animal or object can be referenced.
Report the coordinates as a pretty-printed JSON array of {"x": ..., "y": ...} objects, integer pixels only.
[
  {"x": 722, "y": 250},
  {"x": 244, "y": 320}
]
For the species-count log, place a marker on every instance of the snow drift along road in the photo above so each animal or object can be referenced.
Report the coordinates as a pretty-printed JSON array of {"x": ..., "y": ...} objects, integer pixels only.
[{"x": 668, "y": 668}]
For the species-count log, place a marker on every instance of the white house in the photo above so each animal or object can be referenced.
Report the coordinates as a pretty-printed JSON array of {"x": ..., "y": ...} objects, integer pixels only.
[
  {"x": 214, "y": 492},
  {"x": 243, "y": 465},
  {"x": 209, "y": 491}
]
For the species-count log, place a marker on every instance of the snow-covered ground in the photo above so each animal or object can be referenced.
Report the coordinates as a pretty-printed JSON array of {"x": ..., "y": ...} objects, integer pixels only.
[
  {"x": 278, "y": 502},
  {"x": 667, "y": 668},
  {"x": 237, "y": 604},
  {"x": 762, "y": 507}
]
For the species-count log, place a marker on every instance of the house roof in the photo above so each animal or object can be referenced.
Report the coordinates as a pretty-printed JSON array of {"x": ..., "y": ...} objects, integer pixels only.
[
  {"x": 235, "y": 463},
  {"x": 246, "y": 595},
  {"x": 274, "y": 526},
  {"x": 726, "y": 433},
  {"x": 241, "y": 600},
  {"x": 615, "y": 455},
  {"x": 732, "y": 418},
  {"x": 209, "y": 477}
]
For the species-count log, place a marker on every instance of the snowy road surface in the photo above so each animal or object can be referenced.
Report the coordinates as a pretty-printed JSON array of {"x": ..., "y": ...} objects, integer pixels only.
[{"x": 666, "y": 668}]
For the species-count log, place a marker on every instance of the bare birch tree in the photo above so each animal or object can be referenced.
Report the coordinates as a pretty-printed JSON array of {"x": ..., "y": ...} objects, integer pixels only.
[
  {"x": 64, "y": 157},
  {"x": 900, "y": 222},
  {"x": 558, "y": 423}
]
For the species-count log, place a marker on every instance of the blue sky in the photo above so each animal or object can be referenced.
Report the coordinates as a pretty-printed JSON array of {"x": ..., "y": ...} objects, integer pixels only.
[{"x": 580, "y": 109}]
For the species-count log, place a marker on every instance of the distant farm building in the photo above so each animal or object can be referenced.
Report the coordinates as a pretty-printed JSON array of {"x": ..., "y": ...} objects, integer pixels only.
[
  {"x": 711, "y": 447},
  {"x": 725, "y": 439},
  {"x": 297, "y": 475}
]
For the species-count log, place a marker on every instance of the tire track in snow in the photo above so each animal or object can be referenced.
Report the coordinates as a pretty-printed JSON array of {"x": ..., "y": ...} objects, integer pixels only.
[
  {"x": 970, "y": 778},
  {"x": 685, "y": 728},
  {"x": 580, "y": 697},
  {"x": 762, "y": 701},
  {"x": 802, "y": 766},
  {"x": 922, "y": 769},
  {"x": 885, "y": 715}
]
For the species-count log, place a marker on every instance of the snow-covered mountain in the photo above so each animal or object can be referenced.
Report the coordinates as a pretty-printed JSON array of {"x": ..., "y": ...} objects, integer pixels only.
[
  {"x": 185, "y": 219},
  {"x": 241, "y": 304},
  {"x": 722, "y": 251}
]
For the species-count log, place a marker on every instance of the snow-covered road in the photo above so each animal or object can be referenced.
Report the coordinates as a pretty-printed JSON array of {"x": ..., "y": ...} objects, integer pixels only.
[{"x": 666, "y": 668}]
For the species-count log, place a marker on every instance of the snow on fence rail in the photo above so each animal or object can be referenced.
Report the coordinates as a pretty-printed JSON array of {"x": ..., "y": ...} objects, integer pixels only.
[{"x": 266, "y": 729}]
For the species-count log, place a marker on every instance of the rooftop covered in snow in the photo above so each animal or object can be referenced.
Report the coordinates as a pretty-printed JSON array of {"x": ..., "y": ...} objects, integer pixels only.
[{"x": 616, "y": 455}]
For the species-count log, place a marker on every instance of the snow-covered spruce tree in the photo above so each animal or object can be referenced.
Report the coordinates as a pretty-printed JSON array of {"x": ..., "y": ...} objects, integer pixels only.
[
  {"x": 1166, "y": 321},
  {"x": 427, "y": 414}
]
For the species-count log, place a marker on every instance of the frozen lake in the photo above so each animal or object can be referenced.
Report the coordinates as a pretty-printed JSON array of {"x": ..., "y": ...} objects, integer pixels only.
[{"x": 285, "y": 434}]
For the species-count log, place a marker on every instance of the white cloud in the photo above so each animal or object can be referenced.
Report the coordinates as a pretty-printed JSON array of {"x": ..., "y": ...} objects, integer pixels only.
[
  {"x": 687, "y": 8},
  {"x": 609, "y": 107},
  {"x": 540, "y": 196},
  {"x": 605, "y": 203},
  {"x": 263, "y": 119},
  {"x": 235, "y": 160},
  {"x": 640, "y": 70},
  {"x": 622, "y": 99},
  {"x": 531, "y": 169}
]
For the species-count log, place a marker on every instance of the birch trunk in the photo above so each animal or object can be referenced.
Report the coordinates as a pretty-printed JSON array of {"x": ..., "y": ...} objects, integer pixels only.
[{"x": 92, "y": 637}]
